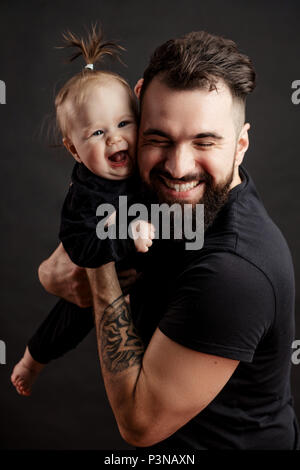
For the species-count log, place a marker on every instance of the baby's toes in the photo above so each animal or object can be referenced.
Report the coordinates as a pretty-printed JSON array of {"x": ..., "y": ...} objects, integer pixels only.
[
  {"x": 23, "y": 389},
  {"x": 16, "y": 380},
  {"x": 19, "y": 389},
  {"x": 20, "y": 383},
  {"x": 14, "y": 377}
]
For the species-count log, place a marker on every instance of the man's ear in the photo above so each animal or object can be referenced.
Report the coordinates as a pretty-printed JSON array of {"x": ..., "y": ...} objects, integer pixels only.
[
  {"x": 242, "y": 144},
  {"x": 71, "y": 148},
  {"x": 138, "y": 87}
]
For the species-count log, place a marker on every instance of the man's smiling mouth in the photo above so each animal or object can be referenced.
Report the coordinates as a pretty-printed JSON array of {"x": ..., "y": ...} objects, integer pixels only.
[{"x": 179, "y": 187}]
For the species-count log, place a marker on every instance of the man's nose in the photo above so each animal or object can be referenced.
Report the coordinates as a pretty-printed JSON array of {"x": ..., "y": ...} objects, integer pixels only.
[{"x": 180, "y": 162}]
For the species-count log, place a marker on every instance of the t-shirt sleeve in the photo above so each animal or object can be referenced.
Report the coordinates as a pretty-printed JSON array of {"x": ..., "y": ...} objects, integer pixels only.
[
  {"x": 78, "y": 232},
  {"x": 222, "y": 305}
]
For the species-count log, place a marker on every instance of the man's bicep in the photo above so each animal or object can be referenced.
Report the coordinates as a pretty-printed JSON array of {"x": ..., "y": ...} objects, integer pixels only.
[
  {"x": 177, "y": 383},
  {"x": 223, "y": 306}
]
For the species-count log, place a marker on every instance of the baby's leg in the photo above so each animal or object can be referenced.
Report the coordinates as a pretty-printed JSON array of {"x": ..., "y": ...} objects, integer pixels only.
[{"x": 62, "y": 330}]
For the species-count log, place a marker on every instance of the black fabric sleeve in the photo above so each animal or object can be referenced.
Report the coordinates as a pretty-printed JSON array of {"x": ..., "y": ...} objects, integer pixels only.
[
  {"x": 62, "y": 330},
  {"x": 222, "y": 305},
  {"x": 78, "y": 232},
  {"x": 86, "y": 250}
]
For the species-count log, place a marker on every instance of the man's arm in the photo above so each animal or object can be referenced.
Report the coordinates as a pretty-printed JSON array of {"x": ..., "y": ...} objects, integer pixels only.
[
  {"x": 60, "y": 277},
  {"x": 154, "y": 391}
]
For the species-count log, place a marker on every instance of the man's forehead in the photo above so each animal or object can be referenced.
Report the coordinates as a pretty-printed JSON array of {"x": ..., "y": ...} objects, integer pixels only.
[
  {"x": 162, "y": 105},
  {"x": 158, "y": 87}
]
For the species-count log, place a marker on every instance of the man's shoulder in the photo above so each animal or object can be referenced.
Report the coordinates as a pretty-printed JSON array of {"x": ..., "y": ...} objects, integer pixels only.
[
  {"x": 224, "y": 267},
  {"x": 244, "y": 228}
]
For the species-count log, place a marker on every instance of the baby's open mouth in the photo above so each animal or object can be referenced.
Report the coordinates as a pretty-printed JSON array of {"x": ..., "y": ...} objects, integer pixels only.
[{"x": 119, "y": 158}]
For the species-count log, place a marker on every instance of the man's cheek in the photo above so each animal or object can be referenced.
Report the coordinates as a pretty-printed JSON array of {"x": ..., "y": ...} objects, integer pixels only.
[
  {"x": 155, "y": 155},
  {"x": 147, "y": 159}
]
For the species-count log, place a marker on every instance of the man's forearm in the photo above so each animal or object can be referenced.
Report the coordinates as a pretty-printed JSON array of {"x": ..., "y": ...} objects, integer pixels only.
[{"x": 120, "y": 350}]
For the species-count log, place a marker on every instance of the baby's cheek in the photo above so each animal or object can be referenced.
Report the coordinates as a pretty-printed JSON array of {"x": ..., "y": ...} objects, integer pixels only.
[
  {"x": 132, "y": 135},
  {"x": 97, "y": 162}
]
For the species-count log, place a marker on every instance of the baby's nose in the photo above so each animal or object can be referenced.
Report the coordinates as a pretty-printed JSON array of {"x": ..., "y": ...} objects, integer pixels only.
[{"x": 113, "y": 139}]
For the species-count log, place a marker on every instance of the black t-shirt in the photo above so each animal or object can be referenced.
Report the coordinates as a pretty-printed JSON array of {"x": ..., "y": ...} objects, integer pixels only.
[
  {"x": 234, "y": 298},
  {"x": 79, "y": 220}
]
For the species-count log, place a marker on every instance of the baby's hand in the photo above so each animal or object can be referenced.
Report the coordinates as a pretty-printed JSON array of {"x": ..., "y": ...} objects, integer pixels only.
[
  {"x": 143, "y": 233},
  {"x": 111, "y": 220}
]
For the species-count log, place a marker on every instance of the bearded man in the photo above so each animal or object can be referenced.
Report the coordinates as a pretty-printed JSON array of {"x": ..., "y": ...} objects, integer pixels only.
[{"x": 200, "y": 358}]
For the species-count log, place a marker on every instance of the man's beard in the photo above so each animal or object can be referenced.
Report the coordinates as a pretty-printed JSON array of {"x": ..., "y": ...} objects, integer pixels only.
[{"x": 213, "y": 198}]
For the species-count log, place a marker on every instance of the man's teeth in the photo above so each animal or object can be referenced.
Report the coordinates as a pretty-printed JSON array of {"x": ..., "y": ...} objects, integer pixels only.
[{"x": 181, "y": 187}]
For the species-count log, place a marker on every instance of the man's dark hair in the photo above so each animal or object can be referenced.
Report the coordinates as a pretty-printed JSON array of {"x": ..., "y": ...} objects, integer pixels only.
[{"x": 199, "y": 60}]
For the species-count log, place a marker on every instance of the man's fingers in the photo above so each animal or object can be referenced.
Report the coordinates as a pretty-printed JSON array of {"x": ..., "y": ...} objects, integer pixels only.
[
  {"x": 81, "y": 290},
  {"x": 127, "y": 282},
  {"x": 127, "y": 278},
  {"x": 126, "y": 273},
  {"x": 84, "y": 303}
]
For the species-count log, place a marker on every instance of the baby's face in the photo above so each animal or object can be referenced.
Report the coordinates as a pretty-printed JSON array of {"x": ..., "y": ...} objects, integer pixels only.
[{"x": 103, "y": 132}]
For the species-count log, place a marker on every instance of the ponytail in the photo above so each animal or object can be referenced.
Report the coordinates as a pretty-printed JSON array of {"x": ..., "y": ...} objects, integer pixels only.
[{"x": 93, "y": 48}]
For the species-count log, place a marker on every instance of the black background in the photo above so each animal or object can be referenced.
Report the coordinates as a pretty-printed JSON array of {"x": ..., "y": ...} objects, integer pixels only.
[{"x": 69, "y": 407}]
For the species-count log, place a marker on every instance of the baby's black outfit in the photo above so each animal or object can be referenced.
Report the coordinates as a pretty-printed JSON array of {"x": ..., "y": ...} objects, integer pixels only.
[{"x": 67, "y": 324}]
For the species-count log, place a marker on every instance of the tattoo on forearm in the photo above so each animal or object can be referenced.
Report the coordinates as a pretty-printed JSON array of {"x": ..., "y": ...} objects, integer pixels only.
[{"x": 121, "y": 347}]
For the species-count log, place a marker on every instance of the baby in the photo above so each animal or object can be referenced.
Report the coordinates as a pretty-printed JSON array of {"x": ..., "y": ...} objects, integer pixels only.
[{"x": 97, "y": 116}]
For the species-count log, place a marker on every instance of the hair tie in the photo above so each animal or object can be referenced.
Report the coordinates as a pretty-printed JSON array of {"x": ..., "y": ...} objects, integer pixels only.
[{"x": 89, "y": 66}]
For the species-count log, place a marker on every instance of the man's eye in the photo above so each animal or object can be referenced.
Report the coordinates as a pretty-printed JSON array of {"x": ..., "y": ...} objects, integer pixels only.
[
  {"x": 202, "y": 144},
  {"x": 123, "y": 123},
  {"x": 159, "y": 142},
  {"x": 98, "y": 132}
]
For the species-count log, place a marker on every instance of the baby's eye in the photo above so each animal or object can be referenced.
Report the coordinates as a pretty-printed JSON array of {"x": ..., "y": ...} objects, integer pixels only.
[
  {"x": 98, "y": 132},
  {"x": 123, "y": 123}
]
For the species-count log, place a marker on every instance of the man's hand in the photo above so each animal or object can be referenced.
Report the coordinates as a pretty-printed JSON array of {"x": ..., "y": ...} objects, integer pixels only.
[
  {"x": 61, "y": 277},
  {"x": 127, "y": 278}
]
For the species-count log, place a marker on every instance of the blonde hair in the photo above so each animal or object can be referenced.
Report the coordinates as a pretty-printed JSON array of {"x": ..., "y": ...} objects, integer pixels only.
[{"x": 93, "y": 49}]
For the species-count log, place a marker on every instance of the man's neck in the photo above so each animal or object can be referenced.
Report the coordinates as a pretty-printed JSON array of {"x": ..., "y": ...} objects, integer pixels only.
[{"x": 236, "y": 179}]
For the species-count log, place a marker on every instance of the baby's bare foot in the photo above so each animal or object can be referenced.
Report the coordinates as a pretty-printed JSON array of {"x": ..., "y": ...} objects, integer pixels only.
[{"x": 25, "y": 373}]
